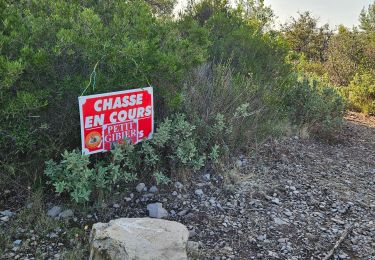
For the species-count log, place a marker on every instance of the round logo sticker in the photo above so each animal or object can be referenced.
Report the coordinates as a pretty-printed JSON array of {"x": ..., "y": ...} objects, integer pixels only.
[{"x": 93, "y": 139}]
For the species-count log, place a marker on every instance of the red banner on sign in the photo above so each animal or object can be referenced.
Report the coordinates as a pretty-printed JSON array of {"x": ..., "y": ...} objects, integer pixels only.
[{"x": 117, "y": 117}]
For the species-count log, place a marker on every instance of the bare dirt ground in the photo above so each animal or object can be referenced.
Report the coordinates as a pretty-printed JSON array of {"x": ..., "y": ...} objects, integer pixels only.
[{"x": 293, "y": 199}]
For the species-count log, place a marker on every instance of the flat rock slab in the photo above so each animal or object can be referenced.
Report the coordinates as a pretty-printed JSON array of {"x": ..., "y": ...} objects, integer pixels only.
[{"x": 138, "y": 238}]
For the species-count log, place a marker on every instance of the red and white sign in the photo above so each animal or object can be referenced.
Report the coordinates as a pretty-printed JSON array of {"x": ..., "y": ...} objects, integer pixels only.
[{"x": 117, "y": 117}]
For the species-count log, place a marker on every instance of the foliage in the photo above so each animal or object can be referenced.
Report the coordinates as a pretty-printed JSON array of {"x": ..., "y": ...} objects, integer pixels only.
[
  {"x": 73, "y": 175},
  {"x": 344, "y": 59},
  {"x": 34, "y": 217},
  {"x": 344, "y": 56},
  {"x": 80, "y": 251},
  {"x": 4, "y": 241},
  {"x": 221, "y": 76},
  {"x": 162, "y": 7},
  {"x": 227, "y": 107},
  {"x": 249, "y": 51},
  {"x": 319, "y": 107},
  {"x": 361, "y": 92},
  {"x": 351, "y": 66},
  {"x": 174, "y": 144},
  {"x": 305, "y": 37},
  {"x": 367, "y": 18},
  {"x": 257, "y": 12},
  {"x": 161, "y": 179},
  {"x": 48, "y": 49}
]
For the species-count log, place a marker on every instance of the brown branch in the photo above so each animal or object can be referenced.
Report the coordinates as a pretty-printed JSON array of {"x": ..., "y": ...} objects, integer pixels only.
[{"x": 338, "y": 242}]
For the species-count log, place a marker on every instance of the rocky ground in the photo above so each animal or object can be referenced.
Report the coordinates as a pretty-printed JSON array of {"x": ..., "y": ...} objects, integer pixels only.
[{"x": 293, "y": 199}]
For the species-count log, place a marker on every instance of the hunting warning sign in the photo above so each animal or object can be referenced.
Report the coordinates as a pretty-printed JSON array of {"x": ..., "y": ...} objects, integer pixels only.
[{"x": 117, "y": 117}]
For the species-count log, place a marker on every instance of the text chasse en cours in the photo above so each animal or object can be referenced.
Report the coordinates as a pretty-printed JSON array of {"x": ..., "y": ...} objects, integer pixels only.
[{"x": 118, "y": 116}]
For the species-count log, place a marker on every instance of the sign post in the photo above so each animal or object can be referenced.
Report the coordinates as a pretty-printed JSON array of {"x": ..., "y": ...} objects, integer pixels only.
[{"x": 117, "y": 117}]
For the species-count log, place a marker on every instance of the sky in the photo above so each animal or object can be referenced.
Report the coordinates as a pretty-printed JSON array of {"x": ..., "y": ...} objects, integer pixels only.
[{"x": 333, "y": 12}]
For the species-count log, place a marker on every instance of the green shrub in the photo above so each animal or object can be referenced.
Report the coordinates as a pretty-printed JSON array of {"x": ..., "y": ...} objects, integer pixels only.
[
  {"x": 361, "y": 93},
  {"x": 315, "y": 107},
  {"x": 48, "y": 50},
  {"x": 73, "y": 175},
  {"x": 238, "y": 35},
  {"x": 220, "y": 76},
  {"x": 173, "y": 149},
  {"x": 230, "y": 110}
]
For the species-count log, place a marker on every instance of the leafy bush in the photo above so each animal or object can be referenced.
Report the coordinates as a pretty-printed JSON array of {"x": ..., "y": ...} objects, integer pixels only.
[
  {"x": 238, "y": 35},
  {"x": 48, "y": 50},
  {"x": 230, "y": 110},
  {"x": 361, "y": 93},
  {"x": 220, "y": 77},
  {"x": 225, "y": 113},
  {"x": 316, "y": 107},
  {"x": 73, "y": 175},
  {"x": 173, "y": 148}
]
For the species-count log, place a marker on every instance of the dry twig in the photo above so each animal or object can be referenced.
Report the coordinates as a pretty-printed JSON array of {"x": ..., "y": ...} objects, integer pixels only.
[{"x": 338, "y": 242}]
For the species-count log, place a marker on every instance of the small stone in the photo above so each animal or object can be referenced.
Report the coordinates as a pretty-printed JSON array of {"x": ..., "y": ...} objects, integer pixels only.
[
  {"x": 228, "y": 248},
  {"x": 66, "y": 214},
  {"x": 199, "y": 192},
  {"x": 178, "y": 185},
  {"x": 207, "y": 177},
  {"x": 239, "y": 163},
  {"x": 262, "y": 237},
  {"x": 338, "y": 221},
  {"x": 288, "y": 213},
  {"x": 4, "y": 219},
  {"x": 127, "y": 199},
  {"x": 276, "y": 201},
  {"x": 116, "y": 206},
  {"x": 17, "y": 242},
  {"x": 343, "y": 256},
  {"x": 140, "y": 187},
  {"x": 182, "y": 212},
  {"x": 282, "y": 240},
  {"x": 273, "y": 254},
  {"x": 279, "y": 221},
  {"x": 174, "y": 193},
  {"x": 154, "y": 189},
  {"x": 148, "y": 195},
  {"x": 54, "y": 211},
  {"x": 192, "y": 233},
  {"x": 156, "y": 210},
  {"x": 192, "y": 246},
  {"x": 7, "y": 213},
  {"x": 52, "y": 235}
]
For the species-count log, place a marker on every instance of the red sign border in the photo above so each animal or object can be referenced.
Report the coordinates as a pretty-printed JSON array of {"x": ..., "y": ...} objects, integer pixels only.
[{"x": 82, "y": 101}]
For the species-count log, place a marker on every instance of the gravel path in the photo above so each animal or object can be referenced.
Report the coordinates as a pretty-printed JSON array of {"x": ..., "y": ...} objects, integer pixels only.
[{"x": 297, "y": 198}]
